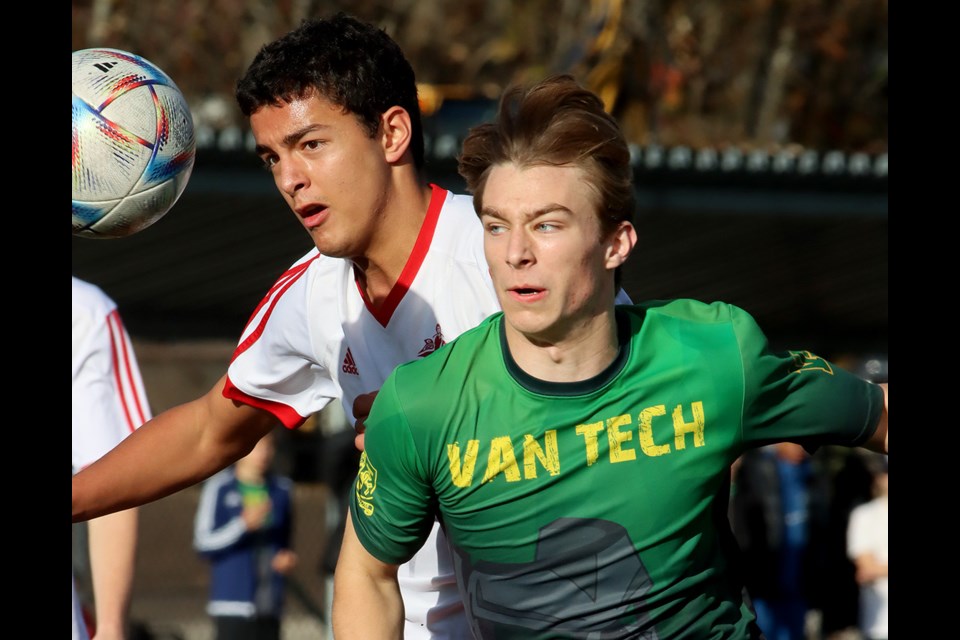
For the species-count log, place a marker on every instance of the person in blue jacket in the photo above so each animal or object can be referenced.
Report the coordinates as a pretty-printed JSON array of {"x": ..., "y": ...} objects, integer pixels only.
[{"x": 243, "y": 527}]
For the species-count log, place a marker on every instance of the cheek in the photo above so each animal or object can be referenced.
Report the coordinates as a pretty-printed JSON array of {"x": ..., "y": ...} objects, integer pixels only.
[
  {"x": 495, "y": 265},
  {"x": 584, "y": 275},
  {"x": 492, "y": 249}
]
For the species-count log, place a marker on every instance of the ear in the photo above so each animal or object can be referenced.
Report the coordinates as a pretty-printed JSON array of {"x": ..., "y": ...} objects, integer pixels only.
[
  {"x": 396, "y": 132},
  {"x": 620, "y": 245}
]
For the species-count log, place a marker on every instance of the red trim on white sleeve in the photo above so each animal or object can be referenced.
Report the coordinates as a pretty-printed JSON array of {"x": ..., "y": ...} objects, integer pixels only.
[
  {"x": 123, "y": 376},
  {"x": 273, "y": 296},
  {"x": 286, "y": 415}
]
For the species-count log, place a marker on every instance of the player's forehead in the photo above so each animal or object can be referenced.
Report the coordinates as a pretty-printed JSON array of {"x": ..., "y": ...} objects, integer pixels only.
[
  {"x": 524, "y": 191},
  {"x": 274, "y": 124}
]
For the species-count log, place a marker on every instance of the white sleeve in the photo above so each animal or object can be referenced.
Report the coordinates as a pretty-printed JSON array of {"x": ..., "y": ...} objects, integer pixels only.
[
  {"x": 109, "y": 400},
  {"x": 274, "y": 366}
]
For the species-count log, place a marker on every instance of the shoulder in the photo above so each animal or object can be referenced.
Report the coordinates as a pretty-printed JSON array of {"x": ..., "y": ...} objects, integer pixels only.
[
  {"x": 697, "y": 316},
  {"x": 458, "y": 228},
  {"x": 872, "y": 507},
  {"x": 460, "y": 203},
  {"x": 91, "y": 308},
  {"x": 309, "y": 281},
  {"x": 312, "y": 264},
  {"x": 90, "y": 297},
  {"x": 861, "y": 513},
  {"x": 707, "y": 327},
  {"x": 690, "y": 310}
]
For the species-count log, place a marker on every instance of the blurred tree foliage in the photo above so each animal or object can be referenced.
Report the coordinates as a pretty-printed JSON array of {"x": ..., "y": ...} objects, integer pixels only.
[{"x": 751, "y": 73}]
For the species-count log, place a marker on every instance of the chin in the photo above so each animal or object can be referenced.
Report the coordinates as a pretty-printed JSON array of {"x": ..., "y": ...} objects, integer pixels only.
[
  {"x": 326, "y": 245},
  {"x": 535, "y": 329}
]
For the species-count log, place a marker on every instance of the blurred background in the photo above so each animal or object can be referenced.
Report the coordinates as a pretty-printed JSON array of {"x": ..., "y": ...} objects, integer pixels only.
[{"x": 759, "y": 136}]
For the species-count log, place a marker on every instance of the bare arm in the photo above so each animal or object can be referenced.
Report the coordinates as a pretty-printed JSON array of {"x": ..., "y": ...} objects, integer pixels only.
[
  {"x": 176, "y": 449},
  {"x": 361, "y": 409},
  {"x": 869, "y": 568},
  {"x": 113, "y": 549},
  {"x": 363, "y": 584},
  {"x": 878, "y": 442}
]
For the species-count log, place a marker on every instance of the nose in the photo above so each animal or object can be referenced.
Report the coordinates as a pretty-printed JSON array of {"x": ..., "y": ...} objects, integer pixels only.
[
  {"x": 519, "y": 251},
  {"x": 291, "y": 176}
]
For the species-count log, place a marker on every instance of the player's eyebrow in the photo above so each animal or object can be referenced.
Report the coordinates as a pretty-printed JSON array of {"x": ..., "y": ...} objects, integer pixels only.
[
  {"x": 493, "y": 212},
  {"x": 291, "y": 138}
]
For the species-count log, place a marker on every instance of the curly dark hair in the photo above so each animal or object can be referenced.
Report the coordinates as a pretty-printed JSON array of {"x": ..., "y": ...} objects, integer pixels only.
[{"x": 351, "y": 63}]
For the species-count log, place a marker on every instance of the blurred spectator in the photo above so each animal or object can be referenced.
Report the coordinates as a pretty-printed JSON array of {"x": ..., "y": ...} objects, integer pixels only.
[
  {"x": 837, "y": 597},
  {"x": 109, "y": 402},
  {"x": 867, "y": 546},
  {"x": 851, "y": 485},
  {"x": 243, "y": 527},
  {"x": 778, "y": 512}
]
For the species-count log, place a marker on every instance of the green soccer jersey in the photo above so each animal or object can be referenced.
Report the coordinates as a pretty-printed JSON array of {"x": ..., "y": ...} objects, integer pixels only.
[{"x": 595, "y": 509}]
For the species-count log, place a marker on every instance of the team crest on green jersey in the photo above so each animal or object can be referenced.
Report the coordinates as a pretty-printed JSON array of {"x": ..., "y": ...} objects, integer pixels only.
[
  {"x": 366, "y": 484},
  {"x": 807, "y": 361}
]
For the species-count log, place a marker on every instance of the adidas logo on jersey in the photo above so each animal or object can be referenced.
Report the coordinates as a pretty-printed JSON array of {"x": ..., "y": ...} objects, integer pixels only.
[{"x": 349, "y": 364}]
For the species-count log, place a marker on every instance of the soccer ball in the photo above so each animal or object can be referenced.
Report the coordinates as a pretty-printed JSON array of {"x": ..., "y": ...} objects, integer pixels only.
[{"x": 133, "y": 143}]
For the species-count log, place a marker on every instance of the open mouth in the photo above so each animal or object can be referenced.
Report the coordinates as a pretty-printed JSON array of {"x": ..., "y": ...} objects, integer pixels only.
[
  {"x": 525, "y": 292},
  {"x": 312, "y": 215}
]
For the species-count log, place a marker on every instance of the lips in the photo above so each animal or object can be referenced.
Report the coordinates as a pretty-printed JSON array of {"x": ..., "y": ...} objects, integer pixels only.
[
  {"x": 527, "y": 293},
  {"x": 312, "y": 215}
]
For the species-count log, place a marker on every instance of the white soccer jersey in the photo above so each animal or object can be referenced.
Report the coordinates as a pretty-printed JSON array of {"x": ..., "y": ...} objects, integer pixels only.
[
  {"x": 109, "y": 400},
  {"x": 315, "y": 338}
]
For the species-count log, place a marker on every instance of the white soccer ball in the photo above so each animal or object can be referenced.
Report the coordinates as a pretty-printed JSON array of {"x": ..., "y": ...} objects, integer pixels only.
[{"x": 133, "y": 143}]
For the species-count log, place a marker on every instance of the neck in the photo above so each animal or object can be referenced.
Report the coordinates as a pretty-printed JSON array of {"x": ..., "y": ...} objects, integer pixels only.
[
  {"x": 398, "y": 226},
  {"x": 580, "y": 354}
]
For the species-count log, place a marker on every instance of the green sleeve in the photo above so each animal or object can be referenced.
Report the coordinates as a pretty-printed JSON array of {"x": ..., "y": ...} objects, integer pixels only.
[
  {"x": 799, "y": 396},
  {"x": 392, "y": 504}
]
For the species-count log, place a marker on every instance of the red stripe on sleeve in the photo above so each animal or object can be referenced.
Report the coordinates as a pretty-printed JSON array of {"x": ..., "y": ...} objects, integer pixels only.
[
  {"x": 273, "y": 296},
  {"x": 287, "y": 416},
  {"x": 120, "y": 356}
]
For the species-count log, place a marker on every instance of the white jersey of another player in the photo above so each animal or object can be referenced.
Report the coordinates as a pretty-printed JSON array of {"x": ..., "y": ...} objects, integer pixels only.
[
  {"x": 315, "y": 338},
  {"x": 109, "y": 400}
]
